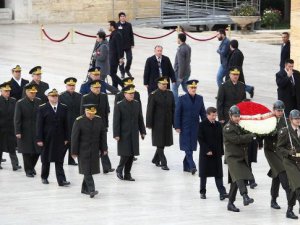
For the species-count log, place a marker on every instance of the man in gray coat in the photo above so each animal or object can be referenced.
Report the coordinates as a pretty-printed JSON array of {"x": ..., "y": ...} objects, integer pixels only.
[
  {"x": 128, "y": 122},
  {"x": 101, "y": 54},
  {"x": 182, "y": 66}
]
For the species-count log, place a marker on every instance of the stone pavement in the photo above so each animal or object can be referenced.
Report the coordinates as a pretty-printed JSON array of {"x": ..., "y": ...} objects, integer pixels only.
[{"x": 157, "y": 197}]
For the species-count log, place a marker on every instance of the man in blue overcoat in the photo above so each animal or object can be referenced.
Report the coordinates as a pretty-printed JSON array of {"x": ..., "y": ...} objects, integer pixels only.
[{"x": 188, "y": 110}]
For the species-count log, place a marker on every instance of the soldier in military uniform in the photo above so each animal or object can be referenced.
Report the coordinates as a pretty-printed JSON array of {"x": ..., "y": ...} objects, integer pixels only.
[
  {"x": 160, "y": 117},
  {"x": 36, "y": 73},
  {"x": 127, "y": 123},
  {"x": 8, "y": 141},
  {"x": 88, "y": 139},
  {"x": 289, "y": 146},
  {"x": 17, "y": 83},
  {"x": 103, "y": 110},
  {"x": 120, "y": 96},
  {"x": 274, "y": 158},
  {"x": 25, "y": 128},
  {"x": 52, "y": 136},
  {"x": 72, "y": 99},
  {"x": 236, "y": 155},
  {"x": 230, "y": 93}
]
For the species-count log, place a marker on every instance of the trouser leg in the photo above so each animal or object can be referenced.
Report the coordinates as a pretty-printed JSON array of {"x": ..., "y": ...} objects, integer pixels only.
[
  {"x": 242, "y": 187},
  {"x": 128, "y": 59},
  {"x": 106, "y": 164},
  {"x": 35, "y": 158},
  {"x": 155, "y": 159},
  {"x": 123, "y": 160},
  {"x": 189, "y": 160},
  {"x": 115, "y": 79},
  {"x": 60, "y": 173},
  {"x": 128, "y": 166},
  {"x": 14, "y": 159},
  {"x": 27, "y": 163},
  {"x": 45, "y": 170},
  {"x": 232, "y": 192},
  {"x": 161, "y": 155},
  {"x": 220, "y": 185},
  {"x": 291, "y": 199},
  {"x": 203, "y": 185},
  {"x": 89, "y": 183},
  {"x": 275, "y": 187}
]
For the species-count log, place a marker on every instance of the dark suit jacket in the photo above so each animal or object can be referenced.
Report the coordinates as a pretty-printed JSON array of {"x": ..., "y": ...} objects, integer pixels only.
[
  {"x": 287, "y": 92},
  {"x": 151, "y": 72},
  {"x": 285, "y": 54},
  {"x": 127, "y": 34},
  {"x": 236, "y": 58},
  {"x": 16, "y": 89},
  {"x": 115, "y": 47}
]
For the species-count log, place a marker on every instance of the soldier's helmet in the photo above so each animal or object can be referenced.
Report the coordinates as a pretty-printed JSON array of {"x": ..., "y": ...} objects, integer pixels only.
[
  {"x": 234, "y": 111},
  {"x": 278, "y": 105},
  {"x": 295, "y": 114}
]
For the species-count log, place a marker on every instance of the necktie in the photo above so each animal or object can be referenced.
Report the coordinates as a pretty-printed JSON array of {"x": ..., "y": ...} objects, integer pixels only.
[
  {"x": 159, "y": 66},
  {"x": 54, "y": 108},
  {"x": 297, "y": 132}
]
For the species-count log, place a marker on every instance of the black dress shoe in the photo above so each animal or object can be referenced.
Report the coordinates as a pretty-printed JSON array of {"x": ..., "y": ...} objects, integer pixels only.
[
  {"x": 203, "y": 196},
  {"x": 64, "y": 183},
  {"x": 253, "y": 185},
  {"x": 274, "y": 205},
  {"x": 290, "y": 214},
  {"x": 93, "y": 193},
  {"x": 134, "y": 158},
  {"x": 3, "y": 160},
  {"x": 119, "y": 175},
  {"x": 165, "y": 168},
  {"x": 231, "y": 207},
  {"x": 129, "y": 178},
  {"x": 85, "y": 192},
  {"x": 247, "y": 200},
  {"x": 223, "y": 196},
  {"x": 109, "y": 170},
  {"x": 17, "y": 168},
  {"x": 193, "y": 171},
  {"x": 45, "y": 181},
  {"x": 30, "y": 175}
]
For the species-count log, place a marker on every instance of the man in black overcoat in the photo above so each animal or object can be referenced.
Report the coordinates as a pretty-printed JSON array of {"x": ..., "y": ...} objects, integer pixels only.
[
  {"x": 8, "y": 141},
  {"x": 160, "y": 118},
  {"x": 88, "y": 140},
  {"x": 288, "y": 87},
  {"x": 52, "y": 136},
  {"x": 210, "y": 139},
  {"x": 72, "y": 100},
  {"x": 285, "y": 49},
  {"x": 17, "y": 83},
  {"x": 103, "y": 110},
  {"x": 157, "y": 66},
  {"x": 128, "y": 122},
  {"x": 25, "y": 128}
]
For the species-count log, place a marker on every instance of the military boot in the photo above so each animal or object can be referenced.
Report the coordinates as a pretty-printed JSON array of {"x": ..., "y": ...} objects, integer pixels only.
[
  {"x": 231, "y": 207},
  {"x": 274, "y": 204},
  {"x": 247, "y": 199},
  {"x": 290, "y": 214}
]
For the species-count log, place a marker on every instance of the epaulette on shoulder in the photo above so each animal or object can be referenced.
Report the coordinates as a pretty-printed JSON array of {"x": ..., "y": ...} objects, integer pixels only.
[
  {"x": 119, "y": 102},
  {"x": 79, "y": 117},
  {"x": 64, "y": 104},
  {"x": 135, "y": 100},
  {"x": 153, "y": 92},
  {"x": 38, "y": 98},
  {"x": 42, "y": 105},
  {"x": 282, "y": 130},
  {"x": 85, "y": 95},
  {"x": 98, "y": 116},
  {"x": 13, "y": 98}
]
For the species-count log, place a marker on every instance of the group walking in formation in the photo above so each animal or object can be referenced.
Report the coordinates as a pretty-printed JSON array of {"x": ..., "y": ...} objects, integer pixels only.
[{"x": 39, "y": 122}]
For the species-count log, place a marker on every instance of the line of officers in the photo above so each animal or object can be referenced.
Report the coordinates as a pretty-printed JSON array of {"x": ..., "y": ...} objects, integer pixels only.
[{"x": 43, "y": 128}]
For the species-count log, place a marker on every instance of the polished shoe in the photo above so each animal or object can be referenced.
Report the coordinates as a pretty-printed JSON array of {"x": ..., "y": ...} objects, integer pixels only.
[
  {"x": 17, "y": 168},
  {"x": 223, "y": 196},
  {"x": 193, "y": 171},
  {"x": 274, "y": 204},
  {"x": 290, "y": 214},
  {"x": 85, "y": 192},
  {"x": 45, "y": 181},
  {"x": 231, "y": 207},
  {"x": 253, "y": 185},
  {"x": 251, "y": 92},
  {"x": 3, "y": 160},
  {"x": 64, "y": 183},
  {"x": 30, "y": 175},
  {"x": 129, "y": 178},
  {"x": 134, "y": 158},
  {"x": 109, "y": 170},
  {"x": 119, "y": 175},
  {"x": 165, "y": 168},
  {"x": 203, "y": 196},
  {"x": 33, "y": 172},
  {"x": 93, "y": 193},
  {"x": 247, "y": 200}
]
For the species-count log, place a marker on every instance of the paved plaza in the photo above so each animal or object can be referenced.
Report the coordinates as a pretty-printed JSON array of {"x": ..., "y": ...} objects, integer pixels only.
[{"x": 157, "y": 196}]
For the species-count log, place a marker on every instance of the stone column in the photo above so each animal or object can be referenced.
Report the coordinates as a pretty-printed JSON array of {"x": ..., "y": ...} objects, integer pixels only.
[{"x": 295, "y": 32}]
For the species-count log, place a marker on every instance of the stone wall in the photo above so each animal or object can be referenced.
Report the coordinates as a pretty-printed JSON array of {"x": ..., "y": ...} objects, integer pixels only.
[
  {"x": 90, "y": 11},
  {"x": 295, "y": 32}
]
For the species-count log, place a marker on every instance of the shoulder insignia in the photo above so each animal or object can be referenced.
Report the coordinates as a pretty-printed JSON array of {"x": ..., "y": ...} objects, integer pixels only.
[
  {"x": 79, "y": 117},
  {"x": 85, "y": 95},
  {"x": 64, "y": 104},
  {"x": 42, "y": 104},
  {"x": 13, "y": 98},
  {"x": 153, "y": 92},
  {"x": 38, "y": 98},
  {"x": 135, "y": 100},
  {"x": 97, "y": 116}
]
